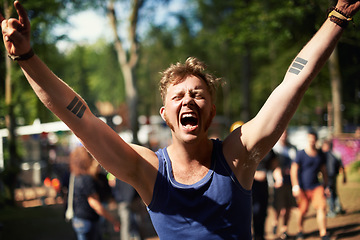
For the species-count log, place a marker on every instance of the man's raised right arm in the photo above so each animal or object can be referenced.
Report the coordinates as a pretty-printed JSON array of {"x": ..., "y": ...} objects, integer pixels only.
[{"x": 132, "y": 164}]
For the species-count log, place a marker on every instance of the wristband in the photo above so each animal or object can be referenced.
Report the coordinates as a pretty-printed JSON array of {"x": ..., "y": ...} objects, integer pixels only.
[
  {"x": 340, "y": 22},
  {"x": 295, "y": 188},
  {"x": 22, "y": 57},
  {"x": 338, "y": 17}
]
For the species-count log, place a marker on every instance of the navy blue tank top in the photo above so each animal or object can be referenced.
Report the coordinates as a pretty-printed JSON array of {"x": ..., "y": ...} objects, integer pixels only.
[{"x": 216, "y": 207}]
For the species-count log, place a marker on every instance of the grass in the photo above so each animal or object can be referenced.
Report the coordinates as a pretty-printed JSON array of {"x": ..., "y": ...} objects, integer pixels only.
[
  {"x": 38, "y": 223},
  {"x": 353, "y": 172}
]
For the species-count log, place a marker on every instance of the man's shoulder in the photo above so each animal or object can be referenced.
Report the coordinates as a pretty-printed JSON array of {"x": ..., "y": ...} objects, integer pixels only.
[
  {"x": 301, "y": 153},
  {"x": 300, "y": 156}
]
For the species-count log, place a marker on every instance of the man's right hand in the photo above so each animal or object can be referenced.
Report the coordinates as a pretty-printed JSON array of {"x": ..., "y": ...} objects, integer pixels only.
[
  {"x": 16, "y": 32},
  {"x": 348, "y": 7}
]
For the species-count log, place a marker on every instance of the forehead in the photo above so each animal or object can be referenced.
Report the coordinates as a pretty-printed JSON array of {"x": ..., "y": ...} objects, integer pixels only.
[{"x": 189, "y": 83}]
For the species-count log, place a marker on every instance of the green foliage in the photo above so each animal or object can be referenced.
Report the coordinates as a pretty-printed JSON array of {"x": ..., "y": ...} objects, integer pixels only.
[
  {"x": 219, "y": 33},
  {"x": 273, "y": 32},
  {"x": 43, "y": 16},
  {"x": 94, "y": 73}
]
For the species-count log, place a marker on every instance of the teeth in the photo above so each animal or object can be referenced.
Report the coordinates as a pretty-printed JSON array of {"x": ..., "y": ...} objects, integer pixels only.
[{"x": 188, "y": 115}]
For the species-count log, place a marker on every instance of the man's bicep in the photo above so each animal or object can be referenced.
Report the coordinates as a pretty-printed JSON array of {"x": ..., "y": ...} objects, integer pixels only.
[{"x": 107, "y": 147}]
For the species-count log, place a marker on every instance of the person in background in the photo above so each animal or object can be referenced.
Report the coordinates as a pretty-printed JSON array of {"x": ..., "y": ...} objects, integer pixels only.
[
  {"x": 333, "y": 165},
  {"x": 306, "y": 186},
  {"x": 284, "y": 201},
  {"x": 124, "y": 194},
  {"x": 86, "y": 202},
  {"x": 104, "y": 191},
  {"x": 260, "y": 194}
]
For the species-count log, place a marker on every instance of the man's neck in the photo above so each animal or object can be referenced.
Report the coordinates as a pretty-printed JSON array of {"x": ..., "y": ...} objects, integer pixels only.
[
  {"x": 190, "y": 161},
  {"x": 311, "y": 151},
  {"x": 196, "y": 150}
]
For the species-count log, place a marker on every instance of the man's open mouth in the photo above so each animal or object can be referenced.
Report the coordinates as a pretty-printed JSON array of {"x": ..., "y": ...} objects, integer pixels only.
[{"x": 189, "y": 120}]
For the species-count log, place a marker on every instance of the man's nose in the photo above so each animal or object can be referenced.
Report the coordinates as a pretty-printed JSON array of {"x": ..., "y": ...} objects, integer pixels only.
[{"x": 188, "y": 100}]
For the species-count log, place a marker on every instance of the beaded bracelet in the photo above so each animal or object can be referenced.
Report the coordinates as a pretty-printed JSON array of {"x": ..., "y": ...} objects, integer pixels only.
[
  {"x": 338, "y": 17},
  {"x": 342, "y": 13},
  {"x": 340, "y": 22}
]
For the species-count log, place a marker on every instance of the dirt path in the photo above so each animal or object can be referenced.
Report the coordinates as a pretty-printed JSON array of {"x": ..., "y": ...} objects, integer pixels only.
[{"x": 346, "y": 226}]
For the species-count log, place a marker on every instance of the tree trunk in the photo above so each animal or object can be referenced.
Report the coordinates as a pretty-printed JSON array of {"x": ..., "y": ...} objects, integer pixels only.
[
  {"x": 335, "y": 79},
  {"x": 246, "y": 78},
  {"x": 12, "y": 166},
  {"x": 128, "y": 61},
  {"x": 131, "y": 99},
  {"x": 245, "y": 112}
]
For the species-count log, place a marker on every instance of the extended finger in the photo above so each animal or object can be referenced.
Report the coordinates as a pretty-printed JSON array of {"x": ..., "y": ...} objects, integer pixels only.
[{"x": 23, "y": 17}]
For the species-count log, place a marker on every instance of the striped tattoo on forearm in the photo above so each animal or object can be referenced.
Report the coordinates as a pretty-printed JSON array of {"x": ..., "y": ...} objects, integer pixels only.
[
  {"x": 77, "y": 107},
  {"x": 297, "y": 66}
]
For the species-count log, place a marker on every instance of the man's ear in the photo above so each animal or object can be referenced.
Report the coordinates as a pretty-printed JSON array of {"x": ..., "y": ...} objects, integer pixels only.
[{"x": 162, "y": 112}]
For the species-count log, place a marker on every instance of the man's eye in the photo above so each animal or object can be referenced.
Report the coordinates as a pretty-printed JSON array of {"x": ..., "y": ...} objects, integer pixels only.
[
  {"x": 178, "y": 97},
  {"x": 198, "y": 96}
]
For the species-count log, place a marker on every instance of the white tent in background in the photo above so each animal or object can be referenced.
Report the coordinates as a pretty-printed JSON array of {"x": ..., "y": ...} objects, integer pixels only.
[{"x": 36, "y": 128}]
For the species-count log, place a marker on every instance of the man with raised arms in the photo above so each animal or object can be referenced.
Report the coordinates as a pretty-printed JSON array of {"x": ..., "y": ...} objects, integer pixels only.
[{"x": 196, "y": 188}]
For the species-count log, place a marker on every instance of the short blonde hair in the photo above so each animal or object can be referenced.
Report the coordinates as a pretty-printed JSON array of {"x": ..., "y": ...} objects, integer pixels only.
[{"x": 176, "y": 73}]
